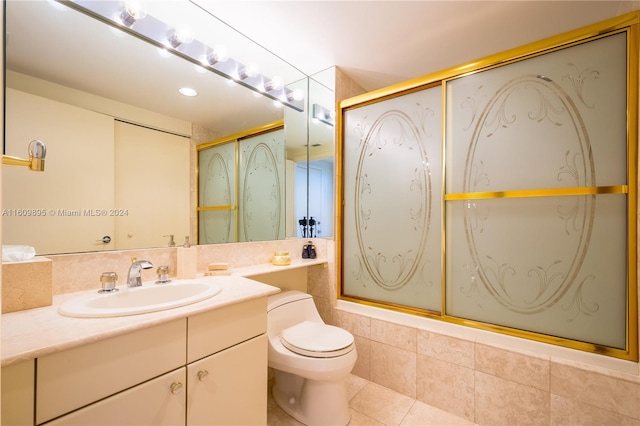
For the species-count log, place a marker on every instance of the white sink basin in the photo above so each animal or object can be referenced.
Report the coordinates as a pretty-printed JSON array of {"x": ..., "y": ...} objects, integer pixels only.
[{"x": 139, "y": 300}]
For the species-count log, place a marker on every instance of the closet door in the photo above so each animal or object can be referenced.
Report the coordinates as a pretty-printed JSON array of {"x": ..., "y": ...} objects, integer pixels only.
[
  {"x": 152, "y": 186},
  {"x": 55, "y": 211}
]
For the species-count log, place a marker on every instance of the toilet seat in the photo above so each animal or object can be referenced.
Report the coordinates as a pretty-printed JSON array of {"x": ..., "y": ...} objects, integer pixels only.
[{"x": 317, "y": 340}]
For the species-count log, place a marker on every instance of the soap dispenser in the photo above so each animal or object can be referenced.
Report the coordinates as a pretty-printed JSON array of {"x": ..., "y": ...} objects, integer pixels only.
[
  {"x": 187, "y": 261},
  {"x": 309, "y": 251}
]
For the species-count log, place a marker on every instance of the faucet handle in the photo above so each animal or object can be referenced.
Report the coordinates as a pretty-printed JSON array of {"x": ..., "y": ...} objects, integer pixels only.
[
  {"x": 163, "y": 275},
  {"x": 108, "y": 280}
]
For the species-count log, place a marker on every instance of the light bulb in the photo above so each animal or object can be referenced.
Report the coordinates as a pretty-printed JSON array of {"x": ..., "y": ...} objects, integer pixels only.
[
  {"x": 296, "y": 95},
  {"x": 178, "y": 37},
  {"x": 133, "y": 11},
  {"x": 273, "y": 84},
  {"x": 218, "y": 54},
  {"x": 249, "y": 71}
]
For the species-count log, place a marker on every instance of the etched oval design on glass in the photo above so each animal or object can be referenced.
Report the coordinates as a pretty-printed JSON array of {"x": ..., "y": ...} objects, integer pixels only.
[
  {"x": 216, "y": 191},
  {"x": 261, "y": 195},
  {"x": 216, "y": 187},
  {"x": 528, "y": 252},
  {"x": 392, "y": 208}
]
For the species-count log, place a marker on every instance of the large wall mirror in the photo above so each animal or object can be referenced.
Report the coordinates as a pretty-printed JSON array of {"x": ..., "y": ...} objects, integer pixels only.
[{"x": 121, "y": 158}]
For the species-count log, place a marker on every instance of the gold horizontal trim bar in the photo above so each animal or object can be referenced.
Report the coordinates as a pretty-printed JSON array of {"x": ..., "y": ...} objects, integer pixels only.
[
  {"x": 550, "y": 192},
  {"x": 544, "y": 338},
  {"x": 209, "y": 208},
  {"x": 255, "y": 131}
]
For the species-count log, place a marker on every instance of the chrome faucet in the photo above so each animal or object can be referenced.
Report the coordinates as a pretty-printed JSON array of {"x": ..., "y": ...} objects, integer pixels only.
[{"x": 133, "y": 278}]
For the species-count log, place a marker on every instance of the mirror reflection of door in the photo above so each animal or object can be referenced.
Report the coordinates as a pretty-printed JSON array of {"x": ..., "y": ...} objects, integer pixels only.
[
  {"x": 52, "y": 211},
  {"x": 241, "y": 187},
  {"x": 262, "y": 187},
  {"x": 151, "y": 187},
  {"x": 217, "y": 194},
  {"x": 320, "y": 195}
]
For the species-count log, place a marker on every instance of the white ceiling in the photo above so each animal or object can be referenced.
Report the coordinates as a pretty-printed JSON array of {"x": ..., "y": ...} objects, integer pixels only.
[{"x": 380, "y": 43}]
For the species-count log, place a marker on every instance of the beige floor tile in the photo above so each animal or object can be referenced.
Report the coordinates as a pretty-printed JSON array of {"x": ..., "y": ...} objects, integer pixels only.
[
  {"x": 375, "y": 405},
  {"x": 422, "y": 414},
  {"x": 382, "y": 404},
  {"x": 354, "y": 385},
  {"x": 276, "y": 416},
  {"x": 360, "y": 419}
]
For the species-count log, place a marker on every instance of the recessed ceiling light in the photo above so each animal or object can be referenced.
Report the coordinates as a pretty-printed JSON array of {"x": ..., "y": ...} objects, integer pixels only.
[{"x": 187, "y": 91}]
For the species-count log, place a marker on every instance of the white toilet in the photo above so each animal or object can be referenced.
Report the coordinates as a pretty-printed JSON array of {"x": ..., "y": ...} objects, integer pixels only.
[{"x": 310, "y": 360}]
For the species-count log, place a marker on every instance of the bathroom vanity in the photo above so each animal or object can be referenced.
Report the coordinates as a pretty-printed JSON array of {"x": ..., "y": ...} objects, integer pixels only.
[{"x": 204, "y": 363}]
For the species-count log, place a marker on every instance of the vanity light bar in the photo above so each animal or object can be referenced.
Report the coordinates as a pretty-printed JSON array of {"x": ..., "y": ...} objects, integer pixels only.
[
  {"x": 323, "y": 115},
  {"x": 156, "y": 32}
]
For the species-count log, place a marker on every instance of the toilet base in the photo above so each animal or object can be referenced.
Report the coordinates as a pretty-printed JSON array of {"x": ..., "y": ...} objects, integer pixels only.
[{"x": 312, "y": 402}]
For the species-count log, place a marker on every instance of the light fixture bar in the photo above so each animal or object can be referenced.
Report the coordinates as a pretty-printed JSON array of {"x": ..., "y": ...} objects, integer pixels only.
[
  {"x": 158, "y": 33},
  {"x": 323, "y": 114}
]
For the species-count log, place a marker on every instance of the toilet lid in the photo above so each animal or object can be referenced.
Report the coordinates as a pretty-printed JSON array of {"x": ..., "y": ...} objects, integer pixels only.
[{"x": 317, "y": 340}]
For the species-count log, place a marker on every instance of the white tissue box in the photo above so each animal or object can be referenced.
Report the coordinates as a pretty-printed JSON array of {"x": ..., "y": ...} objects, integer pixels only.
[
  {"x": 17, "y": 253},
  {"x": 27, "y": 285}
]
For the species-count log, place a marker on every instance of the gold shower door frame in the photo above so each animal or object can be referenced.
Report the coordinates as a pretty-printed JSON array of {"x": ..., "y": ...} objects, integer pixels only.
[
  {"x": 232, "y": 208},
  {"x": 585, "y": 191}
]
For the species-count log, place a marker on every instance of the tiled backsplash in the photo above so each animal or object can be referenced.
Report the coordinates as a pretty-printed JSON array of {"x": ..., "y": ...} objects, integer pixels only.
[
  {"x": 26, "y": 285},
  {"x": 81, "y": 271}
]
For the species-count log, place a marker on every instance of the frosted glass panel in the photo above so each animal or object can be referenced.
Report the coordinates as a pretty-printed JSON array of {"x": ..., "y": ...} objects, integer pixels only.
[
  {"x": 556, "y": 120},
  {"x": 262, "y": 187},
  {"x": 216, "y": 226},
  {"x": 392, "y": 196},
  {"x": 552, "y": 265},
  {"x": 217, "y": 188},
  {"x": 536, "y": 206},
  {"x": 216, "y": 176}
]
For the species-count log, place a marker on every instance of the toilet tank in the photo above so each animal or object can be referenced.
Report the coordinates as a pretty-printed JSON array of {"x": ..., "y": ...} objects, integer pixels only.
[{"x": 289, "y": 308}]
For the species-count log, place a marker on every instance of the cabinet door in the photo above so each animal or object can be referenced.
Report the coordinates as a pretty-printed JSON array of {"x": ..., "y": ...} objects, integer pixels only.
[
  {"x": 229, "y": 387},
  {"x": 18, "y": 393},
  {"x": 71, "y": 379},
  {"x": 160, "y": 401}
]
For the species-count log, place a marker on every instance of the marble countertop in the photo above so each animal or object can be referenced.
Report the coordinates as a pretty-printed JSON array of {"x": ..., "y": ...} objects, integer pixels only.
[
  {"x": 248, "y": 271},
  {"x": 37, "y": 332}
]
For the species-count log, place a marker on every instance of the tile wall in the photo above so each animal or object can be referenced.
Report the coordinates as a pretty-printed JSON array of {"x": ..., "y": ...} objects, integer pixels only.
[{"x": 474, "y": 378}]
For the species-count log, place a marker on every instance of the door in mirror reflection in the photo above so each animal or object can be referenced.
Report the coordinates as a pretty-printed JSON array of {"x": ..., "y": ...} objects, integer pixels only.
[
  {"x": 241, "y": 185},
  {"x": 151, "y": 187},
  {"x": 318, "y": 222}
]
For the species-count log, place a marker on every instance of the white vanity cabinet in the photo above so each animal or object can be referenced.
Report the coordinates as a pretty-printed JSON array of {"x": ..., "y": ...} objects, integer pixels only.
[
  {"x": 71, "y": 379},
  {"x": 18, "y": 393},
  {"x": 229, "y": 387},
  {"x": 160, "y": 401},
  {"x": 227, "y": 370},
  {"x": 208, "y": 368}
]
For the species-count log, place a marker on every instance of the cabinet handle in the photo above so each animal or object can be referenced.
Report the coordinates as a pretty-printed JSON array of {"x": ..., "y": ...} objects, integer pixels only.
[
  {"x": 202, "y": 375},
  {"x": 176, "y": 388}
]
